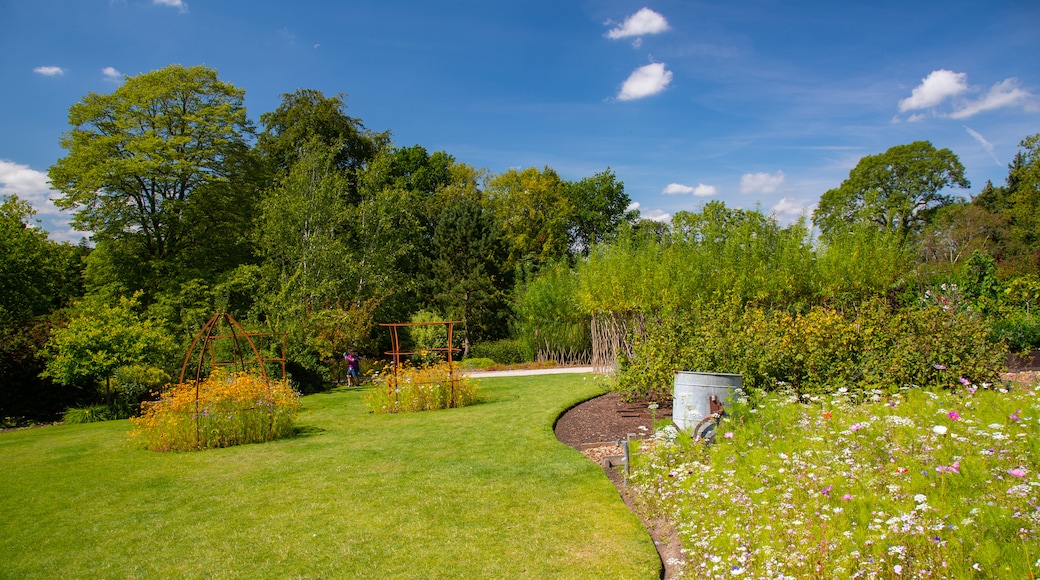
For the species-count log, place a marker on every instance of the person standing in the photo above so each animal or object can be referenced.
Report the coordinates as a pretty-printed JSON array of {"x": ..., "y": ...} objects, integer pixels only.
[{"x": 353, "y": 369}]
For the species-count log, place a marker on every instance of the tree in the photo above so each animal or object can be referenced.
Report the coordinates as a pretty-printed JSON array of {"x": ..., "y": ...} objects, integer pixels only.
[
  {"x": 307, "y": 114},
  {"x": 36, "y": 274},
  {"x": 1023, "y": 186},
  {"x": 600, "y": 207},
  {"x": 160, "y": 169},
  {"x": 100, "y": 338},
  {"x": 465, "y": 272},
  {"x": 535, "y": 214},
  {"x": 898, "y": 190}
]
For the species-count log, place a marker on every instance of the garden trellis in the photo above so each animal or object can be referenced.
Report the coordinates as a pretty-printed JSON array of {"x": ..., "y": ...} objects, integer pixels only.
[{"x": 396, "y": 351}]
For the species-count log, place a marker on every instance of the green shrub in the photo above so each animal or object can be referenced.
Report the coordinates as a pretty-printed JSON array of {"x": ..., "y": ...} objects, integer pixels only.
[
  {"x": 92, "y": 414},
  {"x": 506, "y": 351},
  {"x": 1020, "y": 330},
  {"x": 820, "y": 351}
]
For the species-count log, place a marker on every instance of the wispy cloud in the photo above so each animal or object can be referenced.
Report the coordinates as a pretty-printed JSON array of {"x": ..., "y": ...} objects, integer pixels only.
[
  {"x": 761, "y": 182},
  {"x": 49, "y": 71},
  {"x": 985, "y": 144},
  {"x": 180, "y": 5},
  {"x": 642, "y": 23},
  {"x": 1003, "y": 94},
  {"x": 111, "y": 74},
  {"x": 700, "y": 190},
  {"x": 645, "y": 81},
  {"x": 934, "y": 89}
]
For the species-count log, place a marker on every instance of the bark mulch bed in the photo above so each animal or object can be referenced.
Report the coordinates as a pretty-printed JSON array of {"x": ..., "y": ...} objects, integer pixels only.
[{"x": 595, "y": 427}]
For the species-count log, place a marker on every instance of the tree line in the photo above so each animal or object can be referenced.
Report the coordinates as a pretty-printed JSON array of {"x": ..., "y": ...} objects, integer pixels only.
[
  {"x": 307, "y": 223},
  {"x": 311, "y": 224}
]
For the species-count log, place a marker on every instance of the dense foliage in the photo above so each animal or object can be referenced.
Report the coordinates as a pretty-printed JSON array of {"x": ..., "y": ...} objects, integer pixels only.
[{"x": 315, "y": 226}]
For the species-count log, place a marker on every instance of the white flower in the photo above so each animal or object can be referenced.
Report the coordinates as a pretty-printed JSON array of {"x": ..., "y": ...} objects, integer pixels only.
[
  {"x": 939, "y": 429},
  {"x": 920, "y": 498}
]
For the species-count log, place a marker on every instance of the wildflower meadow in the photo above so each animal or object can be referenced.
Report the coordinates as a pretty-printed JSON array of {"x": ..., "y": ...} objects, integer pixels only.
[{"x": 918, "y": 484}]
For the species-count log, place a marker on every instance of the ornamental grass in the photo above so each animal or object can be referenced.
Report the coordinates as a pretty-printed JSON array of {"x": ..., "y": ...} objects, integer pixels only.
[
  {"x": 227, "y": 408},
  {"x": 917, "y": 484},
  {"x": 421, "y": 388}
]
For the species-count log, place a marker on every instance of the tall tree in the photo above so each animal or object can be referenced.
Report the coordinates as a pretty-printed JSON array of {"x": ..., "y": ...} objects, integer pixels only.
[
  {"x": 600, "y": 207},
  {"x": 36, "y": 274},
  {"x": 898, "y": 190},
  {"x": 464, "y": 270},
  {"x": 535, "y": 214},
  {"x": 159, "y": 168},
  {"x": 307, "y": 114},
  {"x": 1023, "y": 186}
]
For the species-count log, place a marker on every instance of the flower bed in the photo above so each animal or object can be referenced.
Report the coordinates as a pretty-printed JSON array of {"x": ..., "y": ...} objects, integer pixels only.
[
  {"x": 917, "y": 484},
  {"x": 226, "y": 409},
  {"x": 421, "y": 388}
]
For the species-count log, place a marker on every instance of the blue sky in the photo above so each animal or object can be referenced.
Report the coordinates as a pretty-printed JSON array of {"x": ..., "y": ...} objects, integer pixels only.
[{"x": 754, "y": 103}]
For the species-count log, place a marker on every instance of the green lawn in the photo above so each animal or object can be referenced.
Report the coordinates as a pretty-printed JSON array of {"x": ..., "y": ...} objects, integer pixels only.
[{"x": 481, "y": 492}]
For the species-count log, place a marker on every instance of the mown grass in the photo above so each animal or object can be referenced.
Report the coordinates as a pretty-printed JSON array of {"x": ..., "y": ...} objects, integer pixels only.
[{"x": 479, "y": 492}]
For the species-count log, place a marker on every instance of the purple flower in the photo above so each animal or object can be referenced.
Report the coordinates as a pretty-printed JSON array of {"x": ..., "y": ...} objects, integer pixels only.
[
  {"x": 827, "y": 490},
  {"x": 1017, "y": 472},
  {"x": 964, "y": 381},
  {"x": 939, "y": 367},
  {"x": 954, "y": 415}
]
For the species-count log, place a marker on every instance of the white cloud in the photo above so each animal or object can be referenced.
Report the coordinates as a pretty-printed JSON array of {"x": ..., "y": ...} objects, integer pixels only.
[
  {"x": 1003, "y": 94},
  {"x": 111, "y": 74},
  {"x": 934, "y": 89},
  {"x": 651, "y": 214},
  {"x": 49, "y": 71},
  {"x": 180, "y": 5},
  {"x": 985, "y": 144},
  {"x": 645, "y": 81},
  {"x": 34, "y": 187},
  {"x": 643, "y": 22},
  {"x": 760, "y": 182},
  {"x": 700, "y": 190},
  {"x": 791, "y": 208}
]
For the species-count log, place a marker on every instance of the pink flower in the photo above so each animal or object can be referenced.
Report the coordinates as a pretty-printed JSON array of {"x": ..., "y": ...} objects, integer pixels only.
[
  {"x": 1017, "y": 472},
  {"x": 964, "y": 381},
  {"x": 939, "y": 367},
  {"x": 827, "y": 490},
  {"x": 953, "y": 415},
  {"x": 846, "y": 497},
  {"x": 728, "y": 435},
  {"x": 955, "y": 468},
  {"x": 856, "y": 427}
]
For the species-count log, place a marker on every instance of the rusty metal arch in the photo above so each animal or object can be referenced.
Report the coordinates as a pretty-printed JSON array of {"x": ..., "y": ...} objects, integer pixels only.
[
  {"x": 396, "y": 352},
  {"x": 211, "y": 332}
]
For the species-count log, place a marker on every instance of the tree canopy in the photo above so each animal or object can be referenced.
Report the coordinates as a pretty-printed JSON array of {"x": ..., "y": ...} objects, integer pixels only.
[
  {"x": 897, "y": 190},
  {"x": 159, "y": 167}
]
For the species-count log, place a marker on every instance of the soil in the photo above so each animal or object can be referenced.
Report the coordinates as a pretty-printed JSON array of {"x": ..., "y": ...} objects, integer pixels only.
[{"x": 596, "y": 428}]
